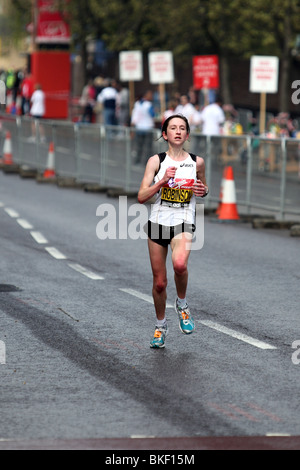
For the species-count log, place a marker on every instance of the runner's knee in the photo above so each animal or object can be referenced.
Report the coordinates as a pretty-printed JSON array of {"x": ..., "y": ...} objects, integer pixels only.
[
  {"x": 180, "y": 266},
  {"x": 160, "y": 285}
]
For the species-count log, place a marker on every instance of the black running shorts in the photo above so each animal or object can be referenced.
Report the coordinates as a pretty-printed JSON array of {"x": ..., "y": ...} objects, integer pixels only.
[{"x": 163, "y": 234}]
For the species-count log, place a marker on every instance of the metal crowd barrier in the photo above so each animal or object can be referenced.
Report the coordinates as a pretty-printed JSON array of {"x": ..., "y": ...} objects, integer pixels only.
[{"x": 267, "y": 171}]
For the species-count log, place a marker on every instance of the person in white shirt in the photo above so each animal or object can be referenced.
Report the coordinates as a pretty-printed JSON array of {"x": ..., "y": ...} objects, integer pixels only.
[
  {"x": 108, "y": 98},
  {"x": 142, "y": 119},
  {"x": 186, "y": 108},
  {"x": 38, "y": 111},
  {"x": 212, "y": 118},
  {"x": 38, "y": 103}
]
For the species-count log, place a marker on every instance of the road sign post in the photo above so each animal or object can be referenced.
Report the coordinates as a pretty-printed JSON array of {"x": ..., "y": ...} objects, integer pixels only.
[
  {"x": 263, "y": 80},
  {"x": 161, "y": 71},
  {"x": 131, "y": 70}
]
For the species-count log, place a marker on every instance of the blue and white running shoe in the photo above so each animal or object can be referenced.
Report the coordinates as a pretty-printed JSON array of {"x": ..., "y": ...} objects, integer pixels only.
[
  {"x": 186, "y": 321},
  {"x": 159, "y": 339}
]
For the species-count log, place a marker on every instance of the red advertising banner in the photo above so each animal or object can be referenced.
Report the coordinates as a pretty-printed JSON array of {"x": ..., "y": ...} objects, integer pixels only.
[
  {"x": 51, "y": 26},
  {"x": 206, "y": 71},
  {"x": 52, "y": 69}
]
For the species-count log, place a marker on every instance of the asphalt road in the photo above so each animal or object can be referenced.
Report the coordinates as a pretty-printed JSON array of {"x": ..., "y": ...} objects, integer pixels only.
[{"x": 76, "y": 321}]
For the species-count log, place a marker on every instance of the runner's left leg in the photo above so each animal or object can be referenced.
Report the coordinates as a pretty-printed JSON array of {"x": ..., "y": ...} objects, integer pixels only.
[{"x": 181, "y": 248}]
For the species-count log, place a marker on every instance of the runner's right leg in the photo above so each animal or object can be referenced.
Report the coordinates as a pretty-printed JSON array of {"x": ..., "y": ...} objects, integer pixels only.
[{"x": 158, "y": 256}]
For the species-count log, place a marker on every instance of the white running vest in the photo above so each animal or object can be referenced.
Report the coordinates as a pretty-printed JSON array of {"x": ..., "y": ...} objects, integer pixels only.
[{"x": 175, "y": 202}]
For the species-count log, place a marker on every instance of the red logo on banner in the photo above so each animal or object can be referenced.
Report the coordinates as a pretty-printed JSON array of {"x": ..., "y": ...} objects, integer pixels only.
[
  {"x": 51, "y": 27},
  {"x": 206, "y": 71}
]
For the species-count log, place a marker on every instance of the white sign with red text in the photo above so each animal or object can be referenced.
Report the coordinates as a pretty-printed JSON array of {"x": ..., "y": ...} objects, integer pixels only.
[
  {"x": 131, "y": 66},
  {"x": 264, "y": 74},
  {"x": 161, "y": 67}
]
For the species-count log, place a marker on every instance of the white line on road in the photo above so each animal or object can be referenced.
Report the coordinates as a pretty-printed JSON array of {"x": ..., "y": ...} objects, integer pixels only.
[
  {"x": 25, "y": 224},
  {"x": 142, "y": 296},
  {"x": 235, "y": 334},
  {"x": 12, "y": 213},
  {"x": 216, "y": 326},
  {"x": 39, "y": 237},
  {"x": 55, "y": 253},
  {"x": 80, "y": 269}
]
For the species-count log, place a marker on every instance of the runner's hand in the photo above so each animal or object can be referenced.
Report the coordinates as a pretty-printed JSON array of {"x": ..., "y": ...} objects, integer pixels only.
[
  {"x": 199, "y": 188},
  {"x": 170, "y": 173}
]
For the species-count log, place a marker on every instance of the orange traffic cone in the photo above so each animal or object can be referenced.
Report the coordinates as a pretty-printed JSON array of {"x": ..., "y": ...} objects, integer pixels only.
[
  {"x": 50, "y": 170},
  {"x": 7, "y": 150},
  {"x": 228, "y": 209}
]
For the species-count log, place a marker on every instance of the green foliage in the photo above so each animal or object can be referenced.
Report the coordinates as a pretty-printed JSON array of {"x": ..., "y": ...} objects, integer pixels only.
[
  {"x": 237, "y": 28},
  {"x": 229, "y": 28}
]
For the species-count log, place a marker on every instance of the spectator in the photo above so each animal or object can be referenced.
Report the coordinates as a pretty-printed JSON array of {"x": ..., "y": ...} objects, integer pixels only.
[
  {"x": 122, "y": 107},
  {"x": 27, "y": 89},
  {"x": 10, "y": 79},
  {"x": 87, "y": 100},
  {"x": 213, "y": 117},
  {"x": 170, "y": 111},
  {"x": 185, "y": 108},
  {"x": 143, "y": 120},
  {"x": 38, "y": 109},
  {"x": 108, "y": 98},
  {"x": 38, "y": 103},
  {"x": 193, "y": 96},
  {"x": 99, "y": 84}
]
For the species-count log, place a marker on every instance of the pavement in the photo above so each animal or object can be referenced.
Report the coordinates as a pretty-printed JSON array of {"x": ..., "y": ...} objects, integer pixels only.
[{"x": 76, "y": 321}]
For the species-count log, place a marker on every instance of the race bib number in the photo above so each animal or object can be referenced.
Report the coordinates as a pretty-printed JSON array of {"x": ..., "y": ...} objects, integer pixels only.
[{"x": 177, "y": 192}]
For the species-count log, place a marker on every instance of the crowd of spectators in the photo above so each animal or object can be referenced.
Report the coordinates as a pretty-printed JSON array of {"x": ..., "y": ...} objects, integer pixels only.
[
  {"x": 107, "y": 101},
  {"x": 19, "y": 90}
]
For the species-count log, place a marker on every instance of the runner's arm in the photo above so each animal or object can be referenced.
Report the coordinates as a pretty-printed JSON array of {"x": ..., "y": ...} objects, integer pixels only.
[
  {"x": 147, "y": 189},
  {"x": 200, "y": 187}
]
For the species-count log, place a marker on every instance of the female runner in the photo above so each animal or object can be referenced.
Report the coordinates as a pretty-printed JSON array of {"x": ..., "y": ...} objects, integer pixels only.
[{"x": 176, "y": 178}]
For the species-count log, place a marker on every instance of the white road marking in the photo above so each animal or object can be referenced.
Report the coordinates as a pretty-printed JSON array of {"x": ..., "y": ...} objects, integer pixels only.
[
  {"x": 216, "y": 326},
  {"x": 142, "y": 296},
  {"x": 25, "y": 224},
  {"x": 80, "y": 269},
  {"x": 55, "y": 253},
  {"x": 12, "y": 213},
  {"x": 1, "y": 204},
  {"x": 39, "y": 237},
  {"x": 235, "y": 334}
]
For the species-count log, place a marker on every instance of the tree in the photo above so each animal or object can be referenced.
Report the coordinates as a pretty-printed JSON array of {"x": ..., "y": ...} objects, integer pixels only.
[{"x": 228, "y": 28}]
